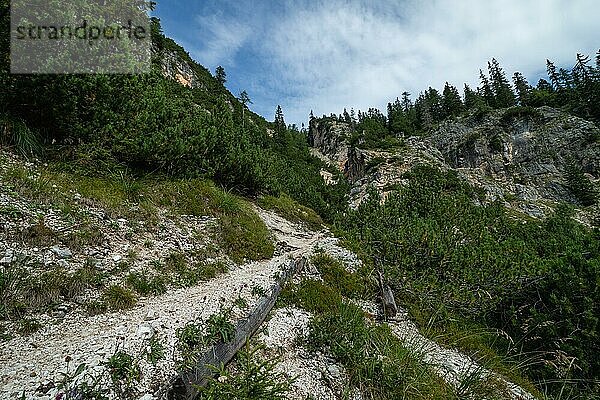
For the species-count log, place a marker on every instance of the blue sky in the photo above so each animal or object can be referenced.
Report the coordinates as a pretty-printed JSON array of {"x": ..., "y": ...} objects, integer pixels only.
[{"x": 324, "y": 55}]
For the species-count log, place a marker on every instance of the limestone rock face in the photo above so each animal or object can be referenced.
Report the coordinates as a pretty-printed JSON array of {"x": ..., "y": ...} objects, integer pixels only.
[
  {"x": 331, "y": 139},
  {"x": 518, "y": 158},
  {"x": 178, "y": 70}
]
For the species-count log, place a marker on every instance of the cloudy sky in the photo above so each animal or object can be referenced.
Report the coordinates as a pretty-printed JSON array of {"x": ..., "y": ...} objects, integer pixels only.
[{"x": 324, "y": 55}]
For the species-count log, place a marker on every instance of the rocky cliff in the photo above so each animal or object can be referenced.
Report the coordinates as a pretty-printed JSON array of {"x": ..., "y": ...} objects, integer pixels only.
[{"x": 518, "y": 156}]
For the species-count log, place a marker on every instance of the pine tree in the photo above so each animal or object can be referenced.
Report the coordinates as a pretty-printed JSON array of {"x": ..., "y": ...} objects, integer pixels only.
[
  {"x": 504, "y": 95},
  {"x": 556, "y": 84},
  {"x": 347, "y": 117},
  {"x": 353, "y": 116},
  {"x": 472, "y": 99},
  {"x": 485, "y": 91},
  {"x": 406, "y": 103},
  {"x": 279, "y": 120},
  {"x": 582, "y": 72},
  {"x": 245, "y": 100},
  {"x": 523, "y": 89},
  {"x": 220, "y": 75},
  {"x": 451, "y": 101}
]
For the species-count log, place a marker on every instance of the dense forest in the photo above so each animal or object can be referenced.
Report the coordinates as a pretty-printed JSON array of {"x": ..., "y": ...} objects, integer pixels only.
[{"x": 533, "y": 287}]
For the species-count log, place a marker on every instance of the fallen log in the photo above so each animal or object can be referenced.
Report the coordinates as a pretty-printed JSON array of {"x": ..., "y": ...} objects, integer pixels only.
[{"x": 186, "y": 385}]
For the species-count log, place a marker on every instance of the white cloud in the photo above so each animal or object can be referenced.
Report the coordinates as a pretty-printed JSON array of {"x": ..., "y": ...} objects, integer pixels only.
[
  {"x": 359, "y": 53},
  {"x": 220, "y": 38}
]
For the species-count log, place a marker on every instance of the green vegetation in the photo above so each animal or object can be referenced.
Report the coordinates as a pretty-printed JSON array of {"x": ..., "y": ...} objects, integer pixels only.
[
  {"x": 145, "y": 284},
  {"x": 255, "y": 378},
  {"x": 123, "y": 370},
  {"x": 455, "y": 264},
  {"x": 291, "y": 210},
  {"x": 23, "y": 292},
  {"x": 219, "y": 328},
  {"x": 311, "y": 295},
  {"x": 119, "y": 298},
  {"x": 583, "y": 189},
  {"x": 576, "y": 91},
  {"x": 194, "y": 338},
  {"x": 149, "y": 122},
  {"x": 131, "y": 144},
  {"x": 155, "y": 351},
  {"x": 375, "y": 361},
  {"x": 189, "y": 273},
  {"x": 245, "y": 236},
  {"x": 337, "y": 277}
]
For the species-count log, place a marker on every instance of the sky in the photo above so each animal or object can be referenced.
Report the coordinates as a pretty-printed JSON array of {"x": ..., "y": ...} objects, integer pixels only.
[{"x": 327, "y": 55}]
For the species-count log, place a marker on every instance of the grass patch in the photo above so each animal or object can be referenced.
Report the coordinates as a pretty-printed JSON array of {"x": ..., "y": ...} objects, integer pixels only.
[
  {"x": 194, "y": 338},
  {"x": 476, "y": 341},
  {"x": 22, "y": 292},
  {"x": 245, "y": 236},
  {"x": 146, "y": 284},
  {"x": 335, "y": 275},
  {"x": 85, "y": 235},
  {"x": 292, "y": 210},
  {"x": 119, "y": 298},
  {"x": 28, "y": 326},
  {"x": 310, "y": 295},
  {"x": 39, "y": 234},
  {"x": 376, "y": 361},
  {"x": 211, "y": 270}
]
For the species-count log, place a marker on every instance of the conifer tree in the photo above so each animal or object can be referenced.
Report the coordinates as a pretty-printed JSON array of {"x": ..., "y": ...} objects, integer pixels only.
[
  {"x": 279, "y": 120},
  {"x": 451, "y": 101},
  {"x": 553, "y": 75},
  {"x": 503, "y": 93},
  {"x": 582, "y": 72},
  {"x": 486, "y": 91},
  {"x": 220, "y": 75},
  {"x": 245, "y": 100},
  {"x": 406, "y": 103},
  {"x": 353, "y": 116},
  {"x": 544, "y": 85},
  {"x": 472, "y": 99},
  {"x": 347, "y": 117},
  {"x": 523, "y": 89}
]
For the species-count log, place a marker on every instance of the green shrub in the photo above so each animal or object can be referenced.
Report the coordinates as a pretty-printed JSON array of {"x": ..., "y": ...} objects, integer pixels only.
[
  {"x": 291, "y": 210},
  {"x": 583, "y": 189},
  {"x": 518, "y": 112},
  {"x": 219, "y": 327},
  {"x": 255, "y": 379},
  {"x": 123, "y": 370},
  {"x": 14, "y": 132},
  {"x": 190, "y": 343},
  {"x": 454, "y": 260}
]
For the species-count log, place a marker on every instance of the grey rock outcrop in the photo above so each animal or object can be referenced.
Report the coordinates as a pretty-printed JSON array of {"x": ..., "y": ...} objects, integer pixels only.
[{"x": 518, "y": 157}]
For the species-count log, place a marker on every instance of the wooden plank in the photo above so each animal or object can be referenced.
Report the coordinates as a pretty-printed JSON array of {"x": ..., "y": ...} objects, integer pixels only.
[{"x": 185, "y": 386}]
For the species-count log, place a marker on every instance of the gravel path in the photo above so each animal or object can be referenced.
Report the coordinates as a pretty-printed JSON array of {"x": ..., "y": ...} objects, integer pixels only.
[{"x": 26, "y": 363}]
